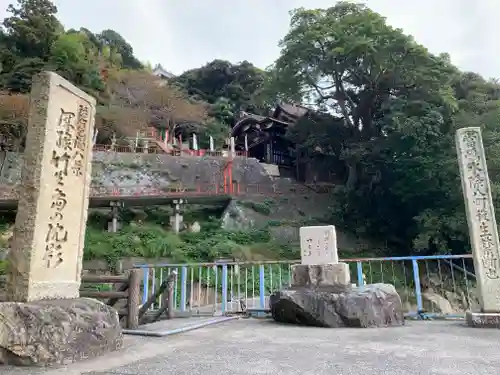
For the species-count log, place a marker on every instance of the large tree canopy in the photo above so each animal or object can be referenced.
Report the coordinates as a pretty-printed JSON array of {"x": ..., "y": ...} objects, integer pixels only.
[
  {"x": 396, "y": 107},
  {"x": 228, "y": 87}
]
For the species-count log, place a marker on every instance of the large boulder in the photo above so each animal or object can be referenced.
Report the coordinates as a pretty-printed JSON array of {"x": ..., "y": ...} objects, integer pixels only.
[
  {"x": 375, "y": 305},
  {"x": 57, "y": 331}
]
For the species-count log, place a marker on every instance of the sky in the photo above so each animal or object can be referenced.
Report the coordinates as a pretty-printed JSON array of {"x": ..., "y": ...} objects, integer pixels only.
[{"x": 186, "y": 34}]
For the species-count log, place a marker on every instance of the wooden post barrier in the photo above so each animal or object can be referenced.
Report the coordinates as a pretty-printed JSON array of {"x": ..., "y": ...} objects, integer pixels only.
[
  {"x": 167, "y": 298},
  {"x": 134, "y": 290},
  {"x": 129, "y": 290}
]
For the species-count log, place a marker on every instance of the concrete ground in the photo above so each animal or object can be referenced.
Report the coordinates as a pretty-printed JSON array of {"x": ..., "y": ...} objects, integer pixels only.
[{"x": 252, "y": 346}]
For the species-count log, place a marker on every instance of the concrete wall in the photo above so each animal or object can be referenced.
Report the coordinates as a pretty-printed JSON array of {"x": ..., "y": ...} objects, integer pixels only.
[{"x": 131, "y": 170}]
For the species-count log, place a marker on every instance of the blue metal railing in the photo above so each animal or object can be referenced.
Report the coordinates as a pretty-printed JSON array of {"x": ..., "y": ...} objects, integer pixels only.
[{"x": 220, "y": 288}]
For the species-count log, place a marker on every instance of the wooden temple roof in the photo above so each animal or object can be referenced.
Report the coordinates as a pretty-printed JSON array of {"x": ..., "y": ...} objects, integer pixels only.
[{"x": 257, "y": 127}]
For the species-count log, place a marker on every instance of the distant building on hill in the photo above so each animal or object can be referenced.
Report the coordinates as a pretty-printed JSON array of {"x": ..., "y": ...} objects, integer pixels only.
[
  {"x": 159, "y": 71},
  {"x": 264, "y": 136}
]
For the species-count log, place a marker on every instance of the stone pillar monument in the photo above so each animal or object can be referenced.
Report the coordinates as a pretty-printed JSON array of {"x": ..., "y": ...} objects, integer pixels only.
[
  {"x": 482, "y": 225},
  {"x": 319, "y": 259},
  {"x": 45, "y": 260},
  {"x": 47, "y": 250}
]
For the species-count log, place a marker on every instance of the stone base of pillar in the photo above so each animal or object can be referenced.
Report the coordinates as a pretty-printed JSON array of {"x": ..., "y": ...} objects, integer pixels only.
[
  {"x": 111, "y": 229},
  {"x": 79, "y": 329},
  {"x": 482, "y": 320},
  {"x": 323, "y": 296},
  {"x": 320, "y": 275}
]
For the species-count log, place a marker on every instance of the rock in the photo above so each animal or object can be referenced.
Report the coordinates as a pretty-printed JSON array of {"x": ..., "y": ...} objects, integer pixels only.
[
  {"x": 237, "y": 217},
  {"x": 195, "y": 228},
  {"x": 437, "y": 303},
  {"x": 374, "y": 305},
  {"x": 57, "y": 331}
]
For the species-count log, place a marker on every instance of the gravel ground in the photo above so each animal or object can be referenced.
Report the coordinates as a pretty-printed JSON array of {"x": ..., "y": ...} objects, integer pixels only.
[{"x": 253, "y": 346}]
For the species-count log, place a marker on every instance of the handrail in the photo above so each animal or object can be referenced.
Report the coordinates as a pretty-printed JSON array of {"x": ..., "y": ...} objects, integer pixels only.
[
  {"x": 129, "y": 289},
  {"x": 200, "y": 190}
]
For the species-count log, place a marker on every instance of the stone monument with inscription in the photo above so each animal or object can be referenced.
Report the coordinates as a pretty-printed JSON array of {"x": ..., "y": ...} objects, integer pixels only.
[
  {"x": 45, "y": 260},
  {"x": 319, "y": 258},
  {"x": 482, "y": 224},
  {"x": 321, "y": 293}
]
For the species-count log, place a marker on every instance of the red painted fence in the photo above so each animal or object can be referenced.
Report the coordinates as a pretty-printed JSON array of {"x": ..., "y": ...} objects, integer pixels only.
[
  {"x": 174, "y": 152},
  {"x": 8, "y": 192}
]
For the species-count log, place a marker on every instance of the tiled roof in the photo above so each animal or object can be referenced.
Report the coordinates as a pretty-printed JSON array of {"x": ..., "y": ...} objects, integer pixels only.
[{"x": 158, "y": 70}]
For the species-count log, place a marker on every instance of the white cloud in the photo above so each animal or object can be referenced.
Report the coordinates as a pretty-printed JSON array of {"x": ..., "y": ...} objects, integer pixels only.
[{"x": 185, "y": 34}]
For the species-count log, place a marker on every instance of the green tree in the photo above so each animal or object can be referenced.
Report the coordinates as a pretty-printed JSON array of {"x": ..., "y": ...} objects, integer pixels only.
[
  {"x": 69, "y": 57},
  {"x": 393, "y": 113},
  {"x": 32, "y": 28},
  {"x": 18, "y": 79},
  {"x": 118, "y": 44},
  {"x": 7, "y": 55},
  {"x": 442, "y": 224},
  {"x": 222, "y": 111},
  {"x": 238, "y": 83}
]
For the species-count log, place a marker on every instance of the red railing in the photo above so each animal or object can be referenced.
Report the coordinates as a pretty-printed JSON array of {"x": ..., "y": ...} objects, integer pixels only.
[
  {"x": 8, "y": 192},
  {"x": 202, "y": 190},
  {"x": 173, "y": 152}
]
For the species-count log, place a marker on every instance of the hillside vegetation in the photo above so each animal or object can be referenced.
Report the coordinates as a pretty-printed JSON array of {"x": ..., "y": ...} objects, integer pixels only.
[
  {"x": 388, "y": 108},
  {"x": 103, "y": 64}
]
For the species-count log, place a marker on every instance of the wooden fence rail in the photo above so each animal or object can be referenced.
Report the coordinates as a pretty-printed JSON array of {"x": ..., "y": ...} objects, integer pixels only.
[
  {"x": 129, "y": 289},
  {"x": 166, "y": 293}
]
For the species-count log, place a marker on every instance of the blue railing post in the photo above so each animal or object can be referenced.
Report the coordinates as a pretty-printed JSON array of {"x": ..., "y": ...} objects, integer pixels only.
[
  {"x": 145, "y": 284},
  {"x": 216, "y": 270},
  {"x": 153, "y": 285},
  {"x": 176, "y": 286},
  {"x": 183, "y": 288},
  {"x": 418, "y": 290},
  {"x": 262, "y": 287},
  {"x": 359, "y": 268},
  {"x": 224, "y": 288}
]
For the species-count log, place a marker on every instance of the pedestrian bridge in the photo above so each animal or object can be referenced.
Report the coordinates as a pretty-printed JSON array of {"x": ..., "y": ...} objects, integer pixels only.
[{"x": 137, "y": 195}]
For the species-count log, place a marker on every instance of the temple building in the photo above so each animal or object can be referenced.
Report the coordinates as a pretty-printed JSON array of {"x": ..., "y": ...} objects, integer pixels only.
[
  {"x": 264, "y": 136},
  {"x": 159, "y": 71}
]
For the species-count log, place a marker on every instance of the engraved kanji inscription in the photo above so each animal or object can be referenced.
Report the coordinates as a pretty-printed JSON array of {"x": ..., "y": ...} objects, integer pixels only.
[
  {"x": 57, "y": 233},
  {"x": 475, "y": 173},
  {"x": 66, "y": 121},
  {"x": 65, "y": 130},
  {"x": 59, "y": 200},
  {"x": 308, "y": 250},
  {"x": 317, "y": 245},
  {"x": 326, "y": 242},
  {"x": 64, "y": 140},
  {"x": 81, "y": 127},
  {"x": 77, "y": 165},
  {"x": 61, "y": 164},
  {"x": 53, "y": 255}
]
